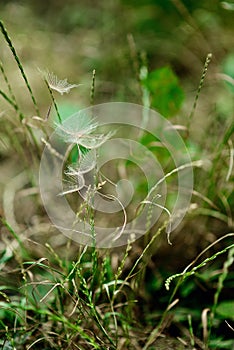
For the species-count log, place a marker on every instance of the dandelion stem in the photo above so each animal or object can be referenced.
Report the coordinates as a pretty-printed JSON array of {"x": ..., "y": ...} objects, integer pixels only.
[{"x": 53, "y": 100}]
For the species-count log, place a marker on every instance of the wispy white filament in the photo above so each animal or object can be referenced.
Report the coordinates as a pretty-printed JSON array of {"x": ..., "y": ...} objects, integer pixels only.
[{"x": 62, "y": 86}]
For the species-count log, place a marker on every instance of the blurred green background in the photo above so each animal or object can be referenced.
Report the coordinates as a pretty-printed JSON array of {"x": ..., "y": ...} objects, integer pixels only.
[
  {"x": 116, "y": 38},
  {"x": 74, "y": 37}
]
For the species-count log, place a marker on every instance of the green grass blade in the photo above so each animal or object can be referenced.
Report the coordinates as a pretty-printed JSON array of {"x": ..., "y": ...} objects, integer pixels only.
[{"x": 9, "y": 42}]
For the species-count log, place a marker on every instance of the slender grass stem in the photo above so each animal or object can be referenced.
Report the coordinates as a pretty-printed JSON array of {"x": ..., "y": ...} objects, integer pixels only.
[
  {"x": 10, "y": 101},
  {"x": 92, "y": 88},
  {"x": 16, "y": 108},
  {"x": 227, "y": 135},
  {"x": 7, "y": 82},
  {"x": 222, "y": 277},
  {"x": 16, "y": 57},
  {"x": 205, "y": 68},
  {"x": 54, "y": 101}
]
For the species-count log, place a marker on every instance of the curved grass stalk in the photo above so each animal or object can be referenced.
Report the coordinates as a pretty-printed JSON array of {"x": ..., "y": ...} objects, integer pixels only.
[
  {"x": 186, "y": 273},
  {"x": 231, "y": 160},
  {"x": 167, "y": 211},
  {"x": 155, "y": 332},
  {"x": 197, "y": 163},
  {"x": 222, "y": 277},
  {"x": 130, "y": 274}
]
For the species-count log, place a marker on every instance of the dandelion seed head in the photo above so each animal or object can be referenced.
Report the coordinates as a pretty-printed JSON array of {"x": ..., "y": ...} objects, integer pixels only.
[
  {"x": 61, "y": 86},
  {"x": 80, "y": 130}
]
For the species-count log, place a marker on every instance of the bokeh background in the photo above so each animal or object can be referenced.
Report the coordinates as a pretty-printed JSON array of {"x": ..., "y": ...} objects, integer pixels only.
[{"x": 74, "y": 37}]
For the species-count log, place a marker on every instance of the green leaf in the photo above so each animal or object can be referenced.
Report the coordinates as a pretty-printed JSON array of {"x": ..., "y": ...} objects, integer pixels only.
[
  {"x": 220, "y": 343},
  {"x": 226, "y": 309},
  {"x": 166, "y": 94}
]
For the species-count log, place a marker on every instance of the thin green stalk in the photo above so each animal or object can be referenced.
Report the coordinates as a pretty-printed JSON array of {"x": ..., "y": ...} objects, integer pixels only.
[
  {"x": 121, "y": 266},
  {"x": 19, "y": 258},
  {"x": 221, "y": 280},
  {"x": 53, "y": 100},
  {"x": 8, "y": 40},
  {"x": 7, "y": 82},
  {"x": 34, "y": 141},
  {"x": 143, "y": 74},
  {"x": 130, "y": 274},
  {"x": 17, "y": 147},
  {"x": 88, "y": 293},
  {"x": 182, "y": 276},
  {"x": 192, "y": 342},
  {"x": 94, "y": 256},
  {"x": 187, "y": 273},
  {"x": 116, "y": 280},
  {"x": 205, "y": 68},
  {"x": 10, "y": 101},
  {"x": 16, "y": 237},
  {"x": 78, "y": 330},
  {"x": 13, "y": 103},
  {"x": 135, "y": 62},
  {"x": 189, "y": 18},
  {"x": 92, "y": 88},
  {"x": 228, "y": 133}
]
